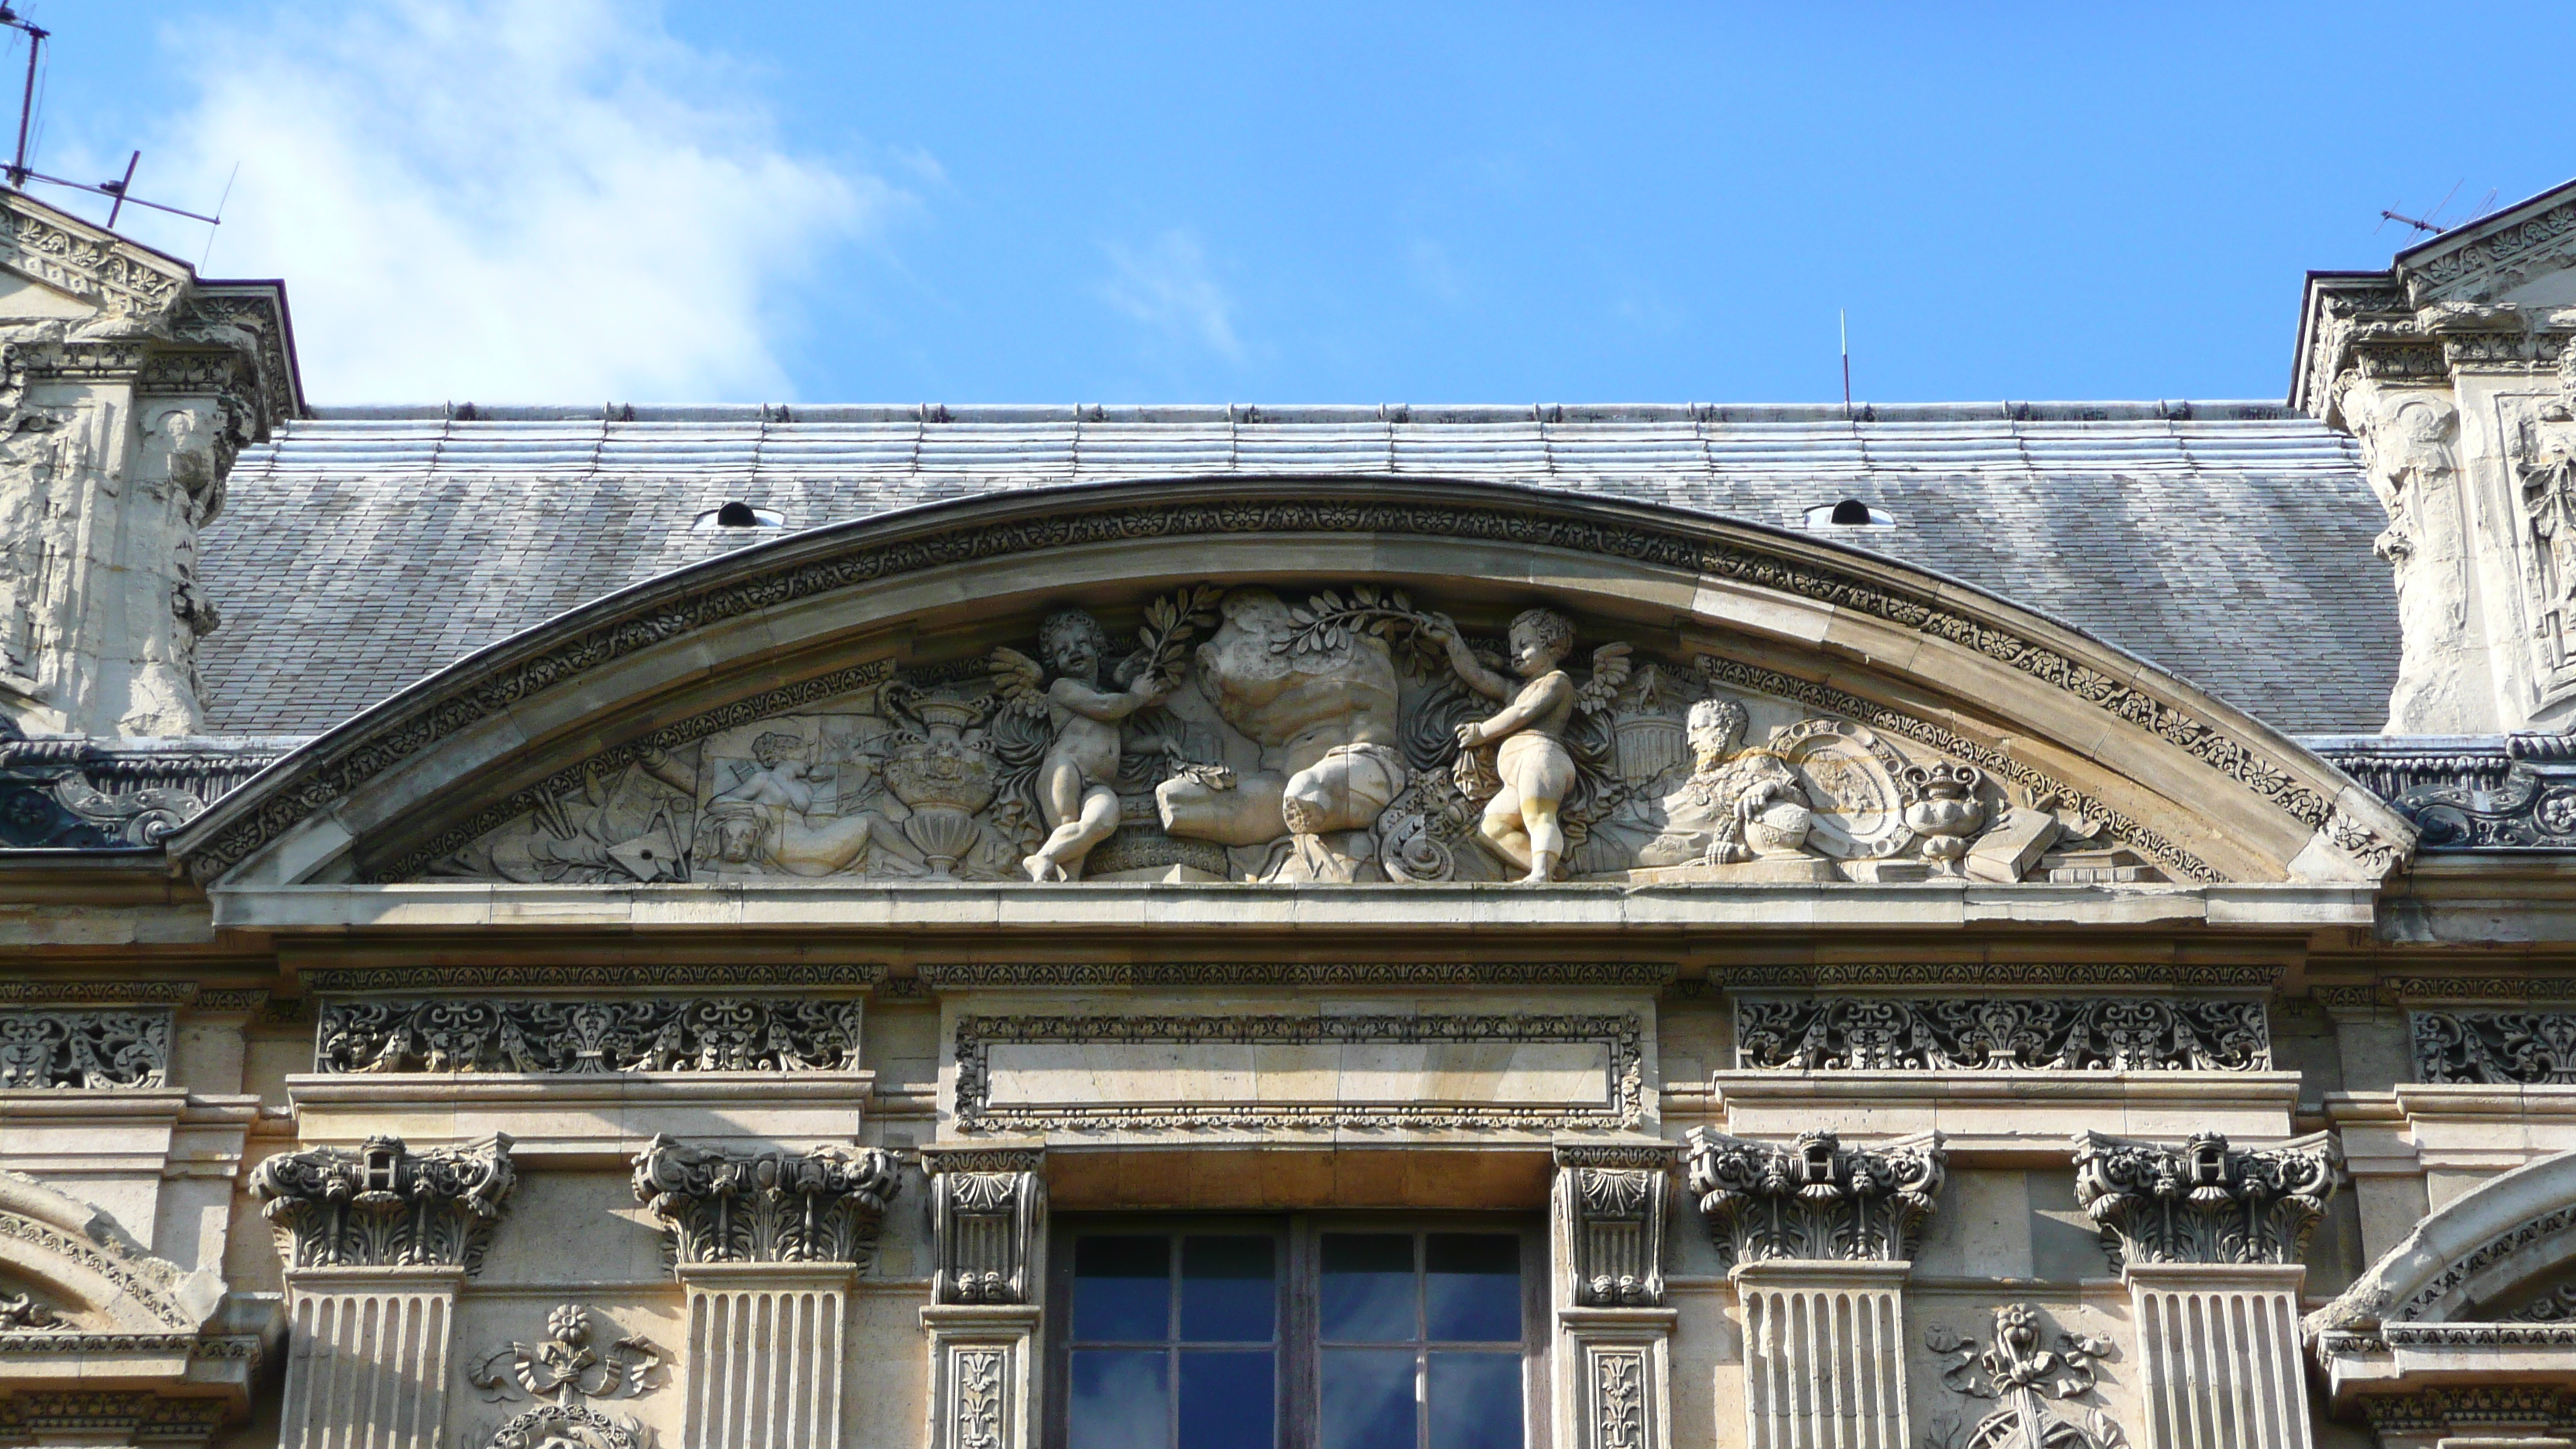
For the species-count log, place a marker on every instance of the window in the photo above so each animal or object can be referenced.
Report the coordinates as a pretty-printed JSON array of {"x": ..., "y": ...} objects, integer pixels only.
[{"x": 1313, "y": 1334}]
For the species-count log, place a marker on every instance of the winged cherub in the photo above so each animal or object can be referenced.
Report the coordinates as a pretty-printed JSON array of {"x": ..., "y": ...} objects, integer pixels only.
[
  {"x": 1520, "y": 823},
  {"x": 1077, "y": 781}
]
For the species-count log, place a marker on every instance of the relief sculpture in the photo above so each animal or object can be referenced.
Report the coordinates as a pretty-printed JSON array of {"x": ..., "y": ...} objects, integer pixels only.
[{"x": 1217, "y": 734}]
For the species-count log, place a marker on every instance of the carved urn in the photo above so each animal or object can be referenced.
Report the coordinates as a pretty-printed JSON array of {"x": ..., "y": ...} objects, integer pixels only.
[
  {"x": 943, "y": 772},
  {"x": 1945, "y": 811}
]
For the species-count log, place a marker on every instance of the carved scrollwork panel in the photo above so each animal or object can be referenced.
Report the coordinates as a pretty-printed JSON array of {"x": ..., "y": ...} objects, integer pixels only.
[
  {"x": 90, "y": 1050},
  {"x": 2114, "y": 1033},
  {"x": 701, "y": 1034},
  {"x": 2495, "y": 1048}
]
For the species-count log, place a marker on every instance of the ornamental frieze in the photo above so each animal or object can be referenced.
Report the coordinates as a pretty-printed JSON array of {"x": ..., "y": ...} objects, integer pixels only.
[
  {"x": 2002, "y": 1033},
  {"x": 703, "y": 1034},
  {"x": 94, "y": 1051},
  {"x": 1351, "y": 734},
  {"x": 2495, "y": 1048}
]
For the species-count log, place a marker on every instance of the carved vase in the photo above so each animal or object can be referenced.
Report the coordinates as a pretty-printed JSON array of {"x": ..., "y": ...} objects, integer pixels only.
[
  {"x": 1945, "y": 811},
  {"x": 943, "y": 773}
]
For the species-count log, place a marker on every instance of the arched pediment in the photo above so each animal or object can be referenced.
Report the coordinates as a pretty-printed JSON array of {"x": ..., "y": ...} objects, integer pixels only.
[
  {"x": 875, "y": 699},
  {"x": 73, "y": 1273}
]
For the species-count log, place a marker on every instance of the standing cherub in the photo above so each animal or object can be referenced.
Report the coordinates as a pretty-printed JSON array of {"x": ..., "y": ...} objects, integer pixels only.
[
  {"x": 1520, "y": 823},
  {"x": 1077, "y": 782}
]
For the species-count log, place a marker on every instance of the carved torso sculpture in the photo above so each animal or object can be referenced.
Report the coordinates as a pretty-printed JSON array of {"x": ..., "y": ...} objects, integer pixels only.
[
  {"x": 1077, "y": 782},
  {"x": 1737, "y": 804},
  {"x": 1324, "y": 715}
]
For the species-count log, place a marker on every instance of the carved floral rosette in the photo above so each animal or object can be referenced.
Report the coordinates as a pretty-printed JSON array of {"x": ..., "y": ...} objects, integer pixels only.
[
  {"x": 1814, "y": 1199},
  {"x": 385, "y": 1205},
  {"x": 820, "y": 1206},
  {"x": 2205, "y": 1202},
  {"x": 2109, "y": 1033},
  {"x": 704, "y": 1034}
]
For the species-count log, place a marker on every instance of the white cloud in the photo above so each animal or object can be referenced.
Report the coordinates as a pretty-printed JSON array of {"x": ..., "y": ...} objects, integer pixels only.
[
  {"x": 544, "y": 201},
  {"x": 1167, "y": 286}
]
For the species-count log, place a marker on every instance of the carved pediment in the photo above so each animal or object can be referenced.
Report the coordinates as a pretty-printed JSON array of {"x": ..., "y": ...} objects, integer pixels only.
[{"x": 1305, "y": 682}]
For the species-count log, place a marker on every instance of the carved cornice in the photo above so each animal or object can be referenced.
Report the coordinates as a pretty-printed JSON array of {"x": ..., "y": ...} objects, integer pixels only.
[
  {"x": 98, "y": 993},
  {"x": 856, "y": 976},
  {"x": 1814, "y": 1199},
  {"x": 987, "y": 1222},
  {"x": 702, "y": 1034},
  {"x": 1609, "y": 1202},
  {"x": 2521, "y": 1407},
  {"x": 1861, "y": 975},
  {"x": 954, "y": 975},
  {"x": 143, "y": 1281},
  {"x": 820, "y": 1206},
  {"x": 2204, "y": 1202},
  {"x": 385, "y": 1205},
  {"x": 94, "y": 1051},
  {"x": 872, "y": 552},
  {"x": 111, "y": 1415},
  {"x": 2495, "y": 1048},
  {"x": 96, "y": 266},
  {"x": 1991, "y": 1033},
  {"x": 1622, "y": 1037}
]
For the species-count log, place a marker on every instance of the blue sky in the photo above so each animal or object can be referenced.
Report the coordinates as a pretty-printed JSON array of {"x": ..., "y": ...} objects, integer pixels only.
[{"x": 602, "y": 199}]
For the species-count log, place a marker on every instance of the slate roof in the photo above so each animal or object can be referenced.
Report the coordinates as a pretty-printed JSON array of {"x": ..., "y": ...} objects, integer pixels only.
[{"x": 2229, "y": 542}]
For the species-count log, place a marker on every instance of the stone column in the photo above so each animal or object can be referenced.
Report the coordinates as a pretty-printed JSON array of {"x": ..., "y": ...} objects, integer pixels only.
[
  {"x": 988, "y": 1232},
  {"x": 378, "y": 1242},
  {"x": 1613, "y": 1332},
  {"x": 1820, "y": 1239},
  {"x": 766, "y": 1246},
  {"x": 2210, "y": 1241}
]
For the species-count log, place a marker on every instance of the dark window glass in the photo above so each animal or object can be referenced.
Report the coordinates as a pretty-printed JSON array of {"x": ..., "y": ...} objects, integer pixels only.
[
  {"x": 1368, "y": 1400},
  {"x": 1228, "y": 1292},
  {"x": 1368, "y": 1290},
  {"x": 1474, "y": 1400},
  {"x": 1120, "y": 1399},
  {"x": 1472, "y": 1288},
  {"x": 1229, "y": 1399},
  {"x": 1122, "y": 1289}
]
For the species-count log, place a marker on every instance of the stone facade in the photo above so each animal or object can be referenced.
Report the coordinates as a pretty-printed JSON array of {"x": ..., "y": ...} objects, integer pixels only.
[{"x": 1297, "y": 955}]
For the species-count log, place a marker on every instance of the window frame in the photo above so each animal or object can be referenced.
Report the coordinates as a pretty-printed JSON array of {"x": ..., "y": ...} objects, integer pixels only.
[{"x": 1300, "y": 1339}]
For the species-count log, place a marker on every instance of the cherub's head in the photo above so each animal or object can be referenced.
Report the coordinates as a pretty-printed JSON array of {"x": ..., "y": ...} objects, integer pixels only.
[
  {"x": 776, "y": 747},
  {"x": 1541, "y": 638},
  {"x": 1073, "y": 642},
  {"x": 1716, "y": 727}
]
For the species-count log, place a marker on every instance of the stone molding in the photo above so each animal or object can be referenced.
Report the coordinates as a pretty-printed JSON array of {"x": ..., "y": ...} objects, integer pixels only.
[
  {"x": 329, "y": 981},
  {"x": 1814, "y": 1199},
  {"x": 987, "y": 1223},
  {"x": 1006, "y": 975},
  {"x": 97, "y": 1051},
  {"x": 1609, "y": 1199},
  {"x": 1876, "y": 975},
  {"x": 385, "y": 1205},
  {"x": 105, "y": 1416},
  {"x": 1621, "y": 1034},
  {"x": 871, "y": 552},
  {"x": 1991, "y": 1033},
  {"x": 2492, "y": 1048},
  {"x": 142, "y": 1282},
  {"x": 2477, "y": 1411},
  {"x": 697, "y": 1034},
  {"x": 2204, "y": 1202},
  {"x": 824, "y": 1205}
]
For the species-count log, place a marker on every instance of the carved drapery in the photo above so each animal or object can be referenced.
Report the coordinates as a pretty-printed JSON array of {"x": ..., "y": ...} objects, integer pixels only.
[
  {"x": 987, "y": 1222},
  {"x": 698, "y": 1034},
  {"x": 2205, "y": 1202},
  {"x": 385, "y": 1205},
  {"x": 91, "y": 1050},
  {"x": 2111, "y": 1033},
  {"x": 1814, "y": 1199},
  {"x": 819, "y": 1206}
]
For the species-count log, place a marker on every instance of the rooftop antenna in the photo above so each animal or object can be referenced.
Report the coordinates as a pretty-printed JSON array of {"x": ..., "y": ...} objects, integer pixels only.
[
  {"x": 2425, "y": 223},
  {"x": 1842, "y": 317},
  {"x": 20, "y": 173}
]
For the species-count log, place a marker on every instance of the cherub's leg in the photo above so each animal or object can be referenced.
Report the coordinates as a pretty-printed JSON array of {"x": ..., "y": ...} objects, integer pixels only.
[
  {"x": 1546, "y": 839},
  {"x": 1060, "y": 795},
  {"x": 1061, "y": 857},
  {"x": 1502, "y": 828}
]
